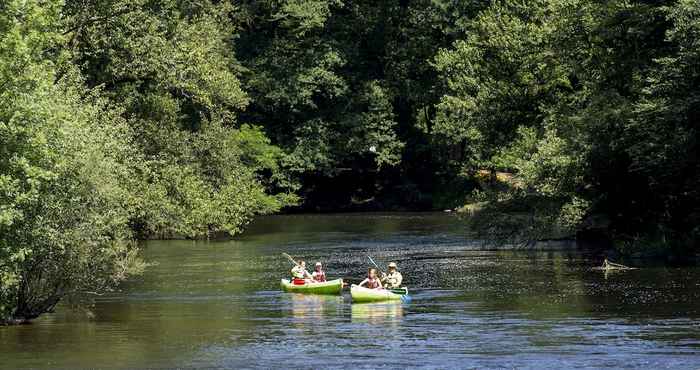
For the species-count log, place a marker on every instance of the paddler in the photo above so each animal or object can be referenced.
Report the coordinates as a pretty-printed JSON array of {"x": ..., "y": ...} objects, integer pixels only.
[
  {"x": 299, "y": 271},
  {"x": 393, "y": 279},
  {"x": 372, "y": 281},
  {"x": 318, "y": 275}
]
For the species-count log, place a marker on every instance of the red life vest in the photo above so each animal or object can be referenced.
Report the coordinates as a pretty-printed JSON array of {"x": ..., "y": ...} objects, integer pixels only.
[
  {"x": 319, "y": 276},
  {"x": 297, "y": 281},
  {"x": 372, "y": 283}
]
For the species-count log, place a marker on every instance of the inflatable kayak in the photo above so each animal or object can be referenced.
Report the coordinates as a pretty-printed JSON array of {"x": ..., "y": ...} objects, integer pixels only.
[
  {"x": 360, "y": 294},
  {"x": 327, "y": 287}
]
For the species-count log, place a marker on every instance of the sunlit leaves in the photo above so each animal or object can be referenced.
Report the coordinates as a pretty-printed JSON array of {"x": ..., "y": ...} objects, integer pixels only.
[
  {"x": 118, "y": 117},
  {"x": 591, "y": 105},
  {"x": 305, "y": 15}
]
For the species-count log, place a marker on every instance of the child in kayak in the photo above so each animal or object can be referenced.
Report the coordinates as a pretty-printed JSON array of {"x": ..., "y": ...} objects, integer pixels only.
[
  {"x": 372, "y": 281},
  {"x": 299, "y": 271},
  {"x": 318, "y": 275}
]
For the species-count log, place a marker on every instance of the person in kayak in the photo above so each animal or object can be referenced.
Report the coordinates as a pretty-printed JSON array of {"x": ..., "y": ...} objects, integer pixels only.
[
  {"x": 372, "y": 281},
  {"x": 318, "y": 275},
  {"x": 299, "y": 271},
  {"x": 393, "y": 279}
]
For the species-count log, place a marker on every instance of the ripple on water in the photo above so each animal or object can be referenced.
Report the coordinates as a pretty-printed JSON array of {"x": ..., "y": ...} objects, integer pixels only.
[{"x": 218, "y": 304}]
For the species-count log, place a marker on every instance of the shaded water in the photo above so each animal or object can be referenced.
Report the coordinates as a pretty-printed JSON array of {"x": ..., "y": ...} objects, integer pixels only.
[{"x": 218, "y": 304}]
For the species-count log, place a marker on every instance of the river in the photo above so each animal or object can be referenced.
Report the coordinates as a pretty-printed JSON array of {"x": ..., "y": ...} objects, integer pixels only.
[{"x": 218, "y": 304}]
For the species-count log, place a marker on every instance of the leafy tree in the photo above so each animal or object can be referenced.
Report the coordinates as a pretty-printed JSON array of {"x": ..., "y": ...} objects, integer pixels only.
[
  {"x": 580, "y": 103},
  {"x": 66, "y": 170},
  {"x": 344, "y": 88},
  {"x": 117, "y": 120},
  {"x": 170, "y": 66},
  {"x": 661, "y": 137}
]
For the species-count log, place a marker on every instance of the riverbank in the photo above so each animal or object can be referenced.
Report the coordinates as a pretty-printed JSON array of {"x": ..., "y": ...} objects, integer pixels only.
[{"x": 594, "y": 233}]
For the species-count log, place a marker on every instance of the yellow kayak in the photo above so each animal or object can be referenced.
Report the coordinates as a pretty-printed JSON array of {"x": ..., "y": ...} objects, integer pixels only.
[{"x": 361, "y": 294}]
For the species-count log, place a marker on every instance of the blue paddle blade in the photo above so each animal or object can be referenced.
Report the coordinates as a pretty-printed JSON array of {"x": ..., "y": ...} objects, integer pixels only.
[{"x": 406, "y": 298}]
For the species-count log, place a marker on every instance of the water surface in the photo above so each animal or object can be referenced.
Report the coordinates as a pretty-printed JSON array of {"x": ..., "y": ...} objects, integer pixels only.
[{"x": 218, "y": 304}]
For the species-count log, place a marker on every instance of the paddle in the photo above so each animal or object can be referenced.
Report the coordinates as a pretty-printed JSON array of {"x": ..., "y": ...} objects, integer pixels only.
[
  {"x": 290, "y": 259},
  {"x": 375, "y": 265}
]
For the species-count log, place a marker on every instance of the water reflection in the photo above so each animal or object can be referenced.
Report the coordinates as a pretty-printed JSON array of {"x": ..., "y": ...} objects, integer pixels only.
[
  {"x": 218, "y": 304},
  {"x": 378, "y": 313},
  {"x": 310, "y": 306}
]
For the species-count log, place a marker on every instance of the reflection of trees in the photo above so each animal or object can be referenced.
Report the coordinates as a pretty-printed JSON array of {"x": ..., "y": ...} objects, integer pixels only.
[
  {"x": 546, "y": 283},
  {"x": 552, "y": 284},
  {"x": 306, "y": 227},
  {"x": 195, "y": 295},
  {"x": 126, "y": 333}
]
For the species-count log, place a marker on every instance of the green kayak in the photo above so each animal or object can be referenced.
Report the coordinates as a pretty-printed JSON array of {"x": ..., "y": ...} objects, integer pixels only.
[
  {"x": 360, "y": 294},
  {"x": 328, "y": 287}
]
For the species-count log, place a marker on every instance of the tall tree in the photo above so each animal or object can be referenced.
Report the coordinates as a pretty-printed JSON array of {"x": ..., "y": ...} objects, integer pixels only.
[
  {"x": 66, "y": 172},
  {"x": 170, "y": 65},
  {"x": 572, "y": 100}
]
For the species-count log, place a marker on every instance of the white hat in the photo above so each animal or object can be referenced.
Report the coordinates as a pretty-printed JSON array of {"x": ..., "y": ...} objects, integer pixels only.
[
  {"x": 392, "y": 264},
  {"x": 318, "y": 264}
]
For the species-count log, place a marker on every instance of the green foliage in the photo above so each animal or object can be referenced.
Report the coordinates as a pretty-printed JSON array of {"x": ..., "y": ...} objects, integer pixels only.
[
  {"x": 592, "y": 106},
  {"x": 661, "y": 136},
  {"x": 170, "y": 67},
  {"x": 343, "y": 88},
  {"x": 117, "y": 119},
  {"x": 122, "y": 119},
  {"x": 498, "y": 79},
  {"x": 216, "y": 186},
  {"x": 66, "y": 173},
  {"x": 375, "y": 127},
  {"x": 304, "y": 15}
]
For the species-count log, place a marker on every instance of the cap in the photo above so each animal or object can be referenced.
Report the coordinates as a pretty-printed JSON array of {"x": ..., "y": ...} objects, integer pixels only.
[
  {"x": 318, "y": 263},
  {"x": 392, "y": 264}
]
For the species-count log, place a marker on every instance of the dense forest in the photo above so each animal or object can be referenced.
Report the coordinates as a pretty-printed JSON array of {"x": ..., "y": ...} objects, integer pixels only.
[{"x": 127, "y": 119}]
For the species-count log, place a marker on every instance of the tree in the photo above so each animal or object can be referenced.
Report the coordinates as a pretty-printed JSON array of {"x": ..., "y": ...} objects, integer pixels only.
[
  {"x": 117, "y": 121},
  {"x": 66, "y": 170},
  {"x": 661, "y": 136},
  {"x": 581, "y": 101},
  {"x": 170, "y": 66},
  {"x": 343, "y": 87}
]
